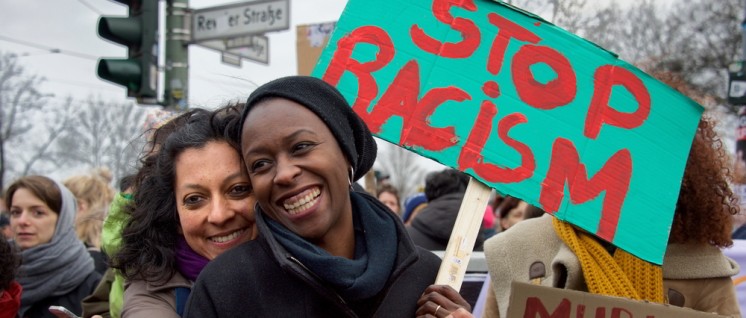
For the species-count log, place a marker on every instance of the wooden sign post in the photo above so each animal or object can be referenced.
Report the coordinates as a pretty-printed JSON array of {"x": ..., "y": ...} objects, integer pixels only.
[{"x": 464, "y": 234}]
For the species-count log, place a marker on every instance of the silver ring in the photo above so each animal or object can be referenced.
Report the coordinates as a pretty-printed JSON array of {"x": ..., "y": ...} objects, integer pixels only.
[{"x": 436, "y": 310}]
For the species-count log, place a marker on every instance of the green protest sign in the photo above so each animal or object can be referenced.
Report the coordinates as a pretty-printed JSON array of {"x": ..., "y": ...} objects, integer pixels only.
[{"x": 525, "y": 107}]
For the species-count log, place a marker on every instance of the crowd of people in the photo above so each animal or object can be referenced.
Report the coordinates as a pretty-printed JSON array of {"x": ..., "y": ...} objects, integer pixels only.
[{"x": 253, "y": 210}]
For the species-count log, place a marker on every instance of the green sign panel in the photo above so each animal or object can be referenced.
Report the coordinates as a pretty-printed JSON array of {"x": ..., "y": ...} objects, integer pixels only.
[{"x": 525, "y": 107}]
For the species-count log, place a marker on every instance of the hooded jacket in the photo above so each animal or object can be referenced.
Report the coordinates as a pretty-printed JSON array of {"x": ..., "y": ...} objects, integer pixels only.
[
  {"x": 261, "y": 278},
  {"x": 431, "y": 228}
]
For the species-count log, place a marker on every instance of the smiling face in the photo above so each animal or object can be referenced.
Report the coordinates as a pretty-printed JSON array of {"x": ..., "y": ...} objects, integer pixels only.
[
  {"x": 32, "y": 221},
  {"x": 214, "y": 199},
  {"x": 299, "y": 173}
]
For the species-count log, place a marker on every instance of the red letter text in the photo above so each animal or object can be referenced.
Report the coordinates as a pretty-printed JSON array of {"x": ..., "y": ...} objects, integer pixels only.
[
  {"x": 469, "y": 31},
  {"x": 342, "y": 61},
  {"x": 600, "y": 112},
  {"x": 565, "y": 168},
  {"x": 471, "y": 154},
  {"x": 507, "y": 30},
  {"x": 558, "y": 92}
]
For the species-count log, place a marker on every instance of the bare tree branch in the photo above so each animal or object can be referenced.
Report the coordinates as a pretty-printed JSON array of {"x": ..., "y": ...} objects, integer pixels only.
[{"x": 20, "y": 100}]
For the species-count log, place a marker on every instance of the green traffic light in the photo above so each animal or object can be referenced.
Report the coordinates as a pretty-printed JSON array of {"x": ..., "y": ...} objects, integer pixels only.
[
  {"x": 139, "y": 33},
  {"x": 126, "y": 72},
  {"x": 126, "y": 31}
]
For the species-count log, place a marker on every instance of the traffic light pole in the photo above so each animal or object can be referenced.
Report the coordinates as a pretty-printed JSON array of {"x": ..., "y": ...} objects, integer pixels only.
[{"x": 177, "y": 55}]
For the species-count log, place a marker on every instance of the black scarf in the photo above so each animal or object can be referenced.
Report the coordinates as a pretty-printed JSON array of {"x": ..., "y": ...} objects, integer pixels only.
[{"x": 375, "y": 252}]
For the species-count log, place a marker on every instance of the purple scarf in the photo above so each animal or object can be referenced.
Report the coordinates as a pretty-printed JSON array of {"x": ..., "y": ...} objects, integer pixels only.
[{"x": 188, "y": 262}]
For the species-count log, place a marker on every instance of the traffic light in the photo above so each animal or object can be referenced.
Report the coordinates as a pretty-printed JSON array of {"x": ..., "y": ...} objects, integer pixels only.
[{"x": 139, "y": 33}]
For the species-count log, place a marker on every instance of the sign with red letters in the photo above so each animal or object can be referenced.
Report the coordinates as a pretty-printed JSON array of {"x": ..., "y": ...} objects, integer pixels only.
[{"x": 523, "y": 106}]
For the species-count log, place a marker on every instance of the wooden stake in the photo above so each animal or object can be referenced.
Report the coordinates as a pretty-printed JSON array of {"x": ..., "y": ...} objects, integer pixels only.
[{"x": 464, "y": 234}]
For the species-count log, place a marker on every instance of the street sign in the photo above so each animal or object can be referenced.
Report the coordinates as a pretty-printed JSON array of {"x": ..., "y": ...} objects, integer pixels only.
[
  {"x": 230, "y": 59},
  {"x": 230, "y": 21},
  {"x": 251, "y": 47}
]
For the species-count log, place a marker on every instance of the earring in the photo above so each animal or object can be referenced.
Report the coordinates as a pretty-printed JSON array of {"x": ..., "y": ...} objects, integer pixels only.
[{"x": 351, "y": 176}]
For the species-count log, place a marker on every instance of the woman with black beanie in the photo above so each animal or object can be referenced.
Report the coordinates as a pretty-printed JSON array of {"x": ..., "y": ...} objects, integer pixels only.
[{"x": 323, "y": 250}]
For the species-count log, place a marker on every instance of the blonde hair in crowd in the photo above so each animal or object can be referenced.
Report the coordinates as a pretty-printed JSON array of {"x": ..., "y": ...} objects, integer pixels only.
[{"x": 94, "y": 195}]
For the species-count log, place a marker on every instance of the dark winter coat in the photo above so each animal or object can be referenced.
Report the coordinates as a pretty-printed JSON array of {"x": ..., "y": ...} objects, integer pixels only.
[
  {"x": 71, "y": 300},
  {"x": 432, "y": 227},
  {"x": 261, "y": 279}
]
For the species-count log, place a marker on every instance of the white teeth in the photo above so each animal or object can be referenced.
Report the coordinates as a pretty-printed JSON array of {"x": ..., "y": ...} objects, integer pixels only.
[
  {"x": 302, "y": 203},
  {"x": 223, "y": 239}
]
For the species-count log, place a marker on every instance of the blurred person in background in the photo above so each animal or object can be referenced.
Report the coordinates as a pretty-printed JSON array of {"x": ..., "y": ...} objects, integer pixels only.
[
  {"x": 501, "y": 206},
  {"x": 739, "y": 224},
  {"x": 3, "y": 204},
  {"x": 489, "y": 224},
  {"x": 431, "y": 228},
  {"x": 94, "y": 195},
  {"x": 106, "y": 300},
  {"x": 509, "y": 217},
  {"x": 5, "y": 231},
  {"x": 413, "y": 204},
  {"x": 56, "y": 269},
  {"x": 389, "y": 196}
]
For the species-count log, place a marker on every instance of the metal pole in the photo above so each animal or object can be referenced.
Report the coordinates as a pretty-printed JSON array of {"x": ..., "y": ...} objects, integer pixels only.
[
  {"x": 739, "y": 185},
  {"x": 743, "y": 36},
  {"x": 176, "y": 93},
  {"x": 740, "y": 169}
]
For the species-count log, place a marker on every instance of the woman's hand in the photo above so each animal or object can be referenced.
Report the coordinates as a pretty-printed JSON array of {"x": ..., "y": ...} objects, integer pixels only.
[
  {"x": 440, "y": 301},
  {"x": 460, "y": 313}
]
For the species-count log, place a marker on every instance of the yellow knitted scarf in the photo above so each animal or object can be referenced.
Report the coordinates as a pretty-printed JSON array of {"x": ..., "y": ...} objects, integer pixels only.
[{"x": 622, "y": 275}]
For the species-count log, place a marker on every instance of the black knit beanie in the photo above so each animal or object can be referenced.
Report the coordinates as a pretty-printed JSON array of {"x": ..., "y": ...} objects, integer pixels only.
[{"x": 326, "y": 102}]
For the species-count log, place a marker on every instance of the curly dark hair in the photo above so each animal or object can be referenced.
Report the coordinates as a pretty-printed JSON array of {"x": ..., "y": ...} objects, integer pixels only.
[
  {"x": 150, "y": 236},
  {"x": 704, "y": 212},
  {"x": 9, "y": 262}
]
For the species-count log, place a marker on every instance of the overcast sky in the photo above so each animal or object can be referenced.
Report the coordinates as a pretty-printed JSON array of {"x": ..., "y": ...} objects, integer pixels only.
[{"x": 70, "y": 25}]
